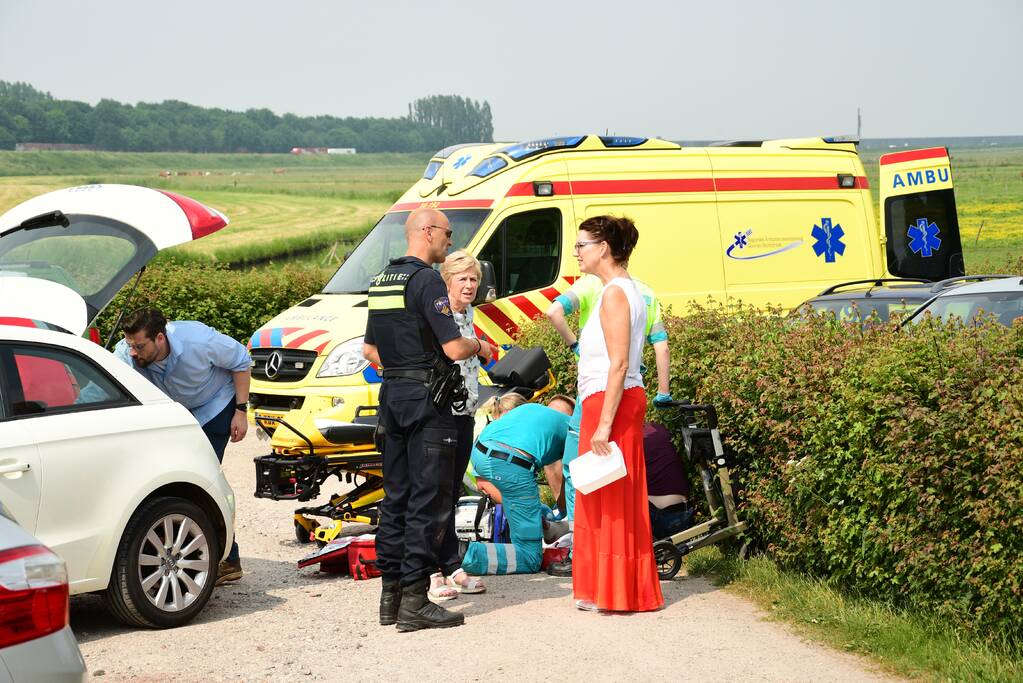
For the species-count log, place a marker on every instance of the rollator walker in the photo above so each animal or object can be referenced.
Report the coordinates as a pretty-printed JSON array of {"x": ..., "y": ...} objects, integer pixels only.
[
  {"x": 308, "y": 449},
  {"x": 706, "y": 452}
]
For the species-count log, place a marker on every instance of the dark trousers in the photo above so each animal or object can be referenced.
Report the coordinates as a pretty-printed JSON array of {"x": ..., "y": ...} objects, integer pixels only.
[
  {"x": 419, "y": 454},
  {"x": 449, "y": 560},
  {"x": 218, "y": 431}
]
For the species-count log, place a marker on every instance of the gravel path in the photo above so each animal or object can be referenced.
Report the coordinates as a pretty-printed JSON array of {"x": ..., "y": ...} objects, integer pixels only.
[{"x": 284, "y": 624}]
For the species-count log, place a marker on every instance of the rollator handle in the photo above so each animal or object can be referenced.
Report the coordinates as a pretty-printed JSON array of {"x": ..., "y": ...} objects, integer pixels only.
[{"x": 695, "y": 409}]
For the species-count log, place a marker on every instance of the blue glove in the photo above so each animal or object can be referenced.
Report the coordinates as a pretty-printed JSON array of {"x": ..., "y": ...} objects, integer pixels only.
[
  {"x": 662, "y": 400},
  {"x": 575, "y": 348}
]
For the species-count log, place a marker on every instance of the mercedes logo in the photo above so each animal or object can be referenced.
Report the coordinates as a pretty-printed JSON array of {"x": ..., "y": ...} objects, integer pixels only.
[{"x": 273, "y": 364}]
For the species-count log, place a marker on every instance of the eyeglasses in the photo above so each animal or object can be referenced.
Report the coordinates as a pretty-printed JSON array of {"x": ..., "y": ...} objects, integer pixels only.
[
  {"x": 139, "y": 347},
  {"x": 582, "y": 243},
  {"x": 447, "y": 231}
]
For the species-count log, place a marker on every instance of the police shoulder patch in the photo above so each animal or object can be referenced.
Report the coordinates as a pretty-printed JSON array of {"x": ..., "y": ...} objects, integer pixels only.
[{"x": 442, "y": 306}]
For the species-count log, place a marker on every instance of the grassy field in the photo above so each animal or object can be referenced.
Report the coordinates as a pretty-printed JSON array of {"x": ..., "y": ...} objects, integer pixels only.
[
  {"x": 279, "y": 204},
  {"x": 282, "y": 205}
]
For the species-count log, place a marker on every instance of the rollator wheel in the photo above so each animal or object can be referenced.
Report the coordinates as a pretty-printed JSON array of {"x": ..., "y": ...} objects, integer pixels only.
[{"x": 668, "y": 559}]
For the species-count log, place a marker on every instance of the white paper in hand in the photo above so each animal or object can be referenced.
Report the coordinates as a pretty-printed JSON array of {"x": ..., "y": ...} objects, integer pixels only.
[{"x": 591, "y": 471}]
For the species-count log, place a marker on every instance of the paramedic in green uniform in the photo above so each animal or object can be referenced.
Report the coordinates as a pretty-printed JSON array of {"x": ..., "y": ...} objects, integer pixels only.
[
  {"x": 508, "y": 454},
  {"x": 581, "y": 296}
]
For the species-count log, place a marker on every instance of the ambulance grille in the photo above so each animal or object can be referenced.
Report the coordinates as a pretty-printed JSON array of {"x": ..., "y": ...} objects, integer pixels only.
[{"x": 289, "y": 365}]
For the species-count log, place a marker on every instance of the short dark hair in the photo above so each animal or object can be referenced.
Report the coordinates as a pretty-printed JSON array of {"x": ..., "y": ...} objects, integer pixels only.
[
  {"x": 620, "y": 233},
  {"x": 149, "y": 319}
]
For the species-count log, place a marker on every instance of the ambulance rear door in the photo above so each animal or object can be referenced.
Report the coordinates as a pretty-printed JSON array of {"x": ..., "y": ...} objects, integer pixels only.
[{"x": 918, "y": 214}]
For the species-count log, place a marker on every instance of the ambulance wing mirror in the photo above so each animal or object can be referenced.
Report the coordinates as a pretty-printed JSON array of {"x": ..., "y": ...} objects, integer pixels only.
[{"x": 487, "y": 291}]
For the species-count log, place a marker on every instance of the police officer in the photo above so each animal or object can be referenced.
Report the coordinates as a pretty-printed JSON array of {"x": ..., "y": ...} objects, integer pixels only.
[{"x": 413, "y": 336}]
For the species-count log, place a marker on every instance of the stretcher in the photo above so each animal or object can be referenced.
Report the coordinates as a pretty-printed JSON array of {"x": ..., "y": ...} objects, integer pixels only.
[{"x": 309, "y": 449}]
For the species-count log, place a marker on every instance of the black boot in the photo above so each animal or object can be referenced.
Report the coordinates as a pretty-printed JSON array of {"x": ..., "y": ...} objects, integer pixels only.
[
  {"x": 390, "y": 598},
  {"x": 560, "y": 568},
  {"x": 417, "y": 612}
]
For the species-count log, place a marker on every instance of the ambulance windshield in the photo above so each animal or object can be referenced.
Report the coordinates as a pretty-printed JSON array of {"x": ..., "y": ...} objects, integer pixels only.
[{"x": 387, "y": 241}]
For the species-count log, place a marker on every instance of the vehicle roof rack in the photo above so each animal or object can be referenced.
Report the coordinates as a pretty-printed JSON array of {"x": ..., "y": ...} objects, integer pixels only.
[
  {"x": 876, "y": 282},
  {"x": 952, "y": 281}
]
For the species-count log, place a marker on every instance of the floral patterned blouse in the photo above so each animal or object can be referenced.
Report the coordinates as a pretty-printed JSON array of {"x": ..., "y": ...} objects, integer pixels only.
[{"x": 470, "y": 366}]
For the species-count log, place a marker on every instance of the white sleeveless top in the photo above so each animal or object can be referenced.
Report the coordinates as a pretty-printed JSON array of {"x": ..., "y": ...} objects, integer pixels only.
[{"x": 594, "y": 362}]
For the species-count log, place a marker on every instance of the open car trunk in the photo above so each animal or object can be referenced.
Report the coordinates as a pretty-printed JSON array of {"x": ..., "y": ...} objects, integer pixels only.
[{"x": 64, "y": 255}]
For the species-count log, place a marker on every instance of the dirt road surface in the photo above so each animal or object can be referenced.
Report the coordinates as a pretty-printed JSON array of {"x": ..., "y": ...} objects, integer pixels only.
[{"x": 280, "y": 623}]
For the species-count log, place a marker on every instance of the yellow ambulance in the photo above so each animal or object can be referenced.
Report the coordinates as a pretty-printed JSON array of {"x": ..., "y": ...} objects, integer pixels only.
[{"x": 768, "y": 222}]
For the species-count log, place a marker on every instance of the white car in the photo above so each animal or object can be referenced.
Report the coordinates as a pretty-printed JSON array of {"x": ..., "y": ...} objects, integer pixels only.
[
  {"x": 1000, "y": 297},
  {"x": 95, "y": 461},
  {"x": 36, "y": 643}
]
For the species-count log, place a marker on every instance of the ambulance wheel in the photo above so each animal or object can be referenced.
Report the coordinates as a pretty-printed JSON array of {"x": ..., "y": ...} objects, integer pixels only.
[
  {"x": 668, "y": 559},
  {"x": 302, "y": 534},
  {"x": 165, "y": 566}
]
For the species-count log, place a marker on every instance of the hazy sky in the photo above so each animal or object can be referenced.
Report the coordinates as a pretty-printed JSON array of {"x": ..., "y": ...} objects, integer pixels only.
[{"x": 679, "y": 70}]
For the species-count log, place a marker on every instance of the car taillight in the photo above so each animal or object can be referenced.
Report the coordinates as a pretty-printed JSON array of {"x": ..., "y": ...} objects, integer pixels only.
[{"x": 33, "y": 594}]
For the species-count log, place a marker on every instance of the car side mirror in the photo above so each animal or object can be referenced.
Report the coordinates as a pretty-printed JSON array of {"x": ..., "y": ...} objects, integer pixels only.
[{"x": 487, "y": 290}]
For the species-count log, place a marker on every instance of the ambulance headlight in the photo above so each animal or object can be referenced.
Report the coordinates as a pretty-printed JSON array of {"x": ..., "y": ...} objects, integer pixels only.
[{"x": 345, "y": 359}]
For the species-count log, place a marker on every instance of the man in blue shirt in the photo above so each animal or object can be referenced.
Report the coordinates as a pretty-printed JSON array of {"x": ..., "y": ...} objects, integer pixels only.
[
  {"x": 506, "y": 457},
  {"x": 203, "y": 370}
]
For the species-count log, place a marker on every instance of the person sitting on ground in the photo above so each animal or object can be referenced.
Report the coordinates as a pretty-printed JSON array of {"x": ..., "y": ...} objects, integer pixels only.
[
  {"x": 666, "y": 483},
  {"x": 510, "y": 450}
]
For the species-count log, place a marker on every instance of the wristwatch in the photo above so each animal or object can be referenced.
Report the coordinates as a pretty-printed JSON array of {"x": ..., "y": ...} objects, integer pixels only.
[{"x": 244, "y": 407}]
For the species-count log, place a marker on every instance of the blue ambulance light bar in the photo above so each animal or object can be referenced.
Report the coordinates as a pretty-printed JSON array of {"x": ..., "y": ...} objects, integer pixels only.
[
  {"x": 837, "y": 139},
  {"x": 431, "y": 170},
  {"x": 451, "y": 149},
  {"x": 621, "y": 141},
  {"x": 527, "y": 149},
  {"x": 488, "y": 166}
]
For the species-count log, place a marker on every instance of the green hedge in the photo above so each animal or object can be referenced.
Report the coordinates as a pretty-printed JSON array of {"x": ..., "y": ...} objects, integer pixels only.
[
  {"x": 888, "y": 461},
  {"x": 232, "y": 301}
]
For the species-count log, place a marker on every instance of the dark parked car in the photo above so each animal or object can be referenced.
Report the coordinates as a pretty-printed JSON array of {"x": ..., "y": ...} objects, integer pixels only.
[{"x": 883, "y": 299}]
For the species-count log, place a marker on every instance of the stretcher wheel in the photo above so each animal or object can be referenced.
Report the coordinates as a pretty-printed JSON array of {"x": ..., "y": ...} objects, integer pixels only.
[
  {"x": 302, "y": 534},
  {"x": 668, "y": 559}
]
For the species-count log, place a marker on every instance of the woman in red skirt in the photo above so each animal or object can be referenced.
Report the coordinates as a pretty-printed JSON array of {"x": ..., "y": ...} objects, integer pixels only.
[{"x": 613, "y": 558}]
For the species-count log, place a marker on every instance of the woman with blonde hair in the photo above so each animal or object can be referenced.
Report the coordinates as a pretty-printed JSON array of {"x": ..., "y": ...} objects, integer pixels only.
[
  {"x": 461, "y": 273},
  {"x": 613, "y": 561}
]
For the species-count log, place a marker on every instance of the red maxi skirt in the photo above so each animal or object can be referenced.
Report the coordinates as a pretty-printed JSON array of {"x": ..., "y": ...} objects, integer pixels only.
[{"x": 612, "y": 548}]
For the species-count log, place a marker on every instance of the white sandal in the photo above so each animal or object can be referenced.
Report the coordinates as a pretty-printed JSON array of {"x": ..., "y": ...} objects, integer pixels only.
[
  {"x": 473, "y": 585},
  {"x": 441, "y": 592}
]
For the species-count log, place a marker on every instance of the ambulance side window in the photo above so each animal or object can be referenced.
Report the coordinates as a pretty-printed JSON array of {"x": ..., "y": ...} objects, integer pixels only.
[{"x": 526, "y": 251}]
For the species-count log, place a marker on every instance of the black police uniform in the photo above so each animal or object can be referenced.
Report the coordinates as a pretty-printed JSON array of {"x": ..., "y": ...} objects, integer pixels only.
[{"x": 409, "y": 318}]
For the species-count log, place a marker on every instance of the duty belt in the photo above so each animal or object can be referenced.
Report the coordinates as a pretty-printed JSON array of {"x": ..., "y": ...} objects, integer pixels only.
[
  {"x": 507, "y": 457},
  {"x": 416, "y": 374}
]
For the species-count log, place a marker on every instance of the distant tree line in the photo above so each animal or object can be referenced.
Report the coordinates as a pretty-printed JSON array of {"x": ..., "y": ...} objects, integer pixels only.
[{"x": 30, "y": 115}]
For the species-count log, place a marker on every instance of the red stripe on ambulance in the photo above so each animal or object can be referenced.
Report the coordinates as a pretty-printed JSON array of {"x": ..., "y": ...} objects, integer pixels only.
[
  {"x": 527, "y": 307},
  {"x": 499, "y": 318},
  {"x": 913, "y": 155},
  {"x": 681, "y": 185},
  {"x": 761, "y": 184},
  {"x": 298, "y": 341}
]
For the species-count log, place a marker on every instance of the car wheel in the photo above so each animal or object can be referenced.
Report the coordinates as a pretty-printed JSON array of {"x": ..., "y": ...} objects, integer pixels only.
[{"x": 166, "y": 565}]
